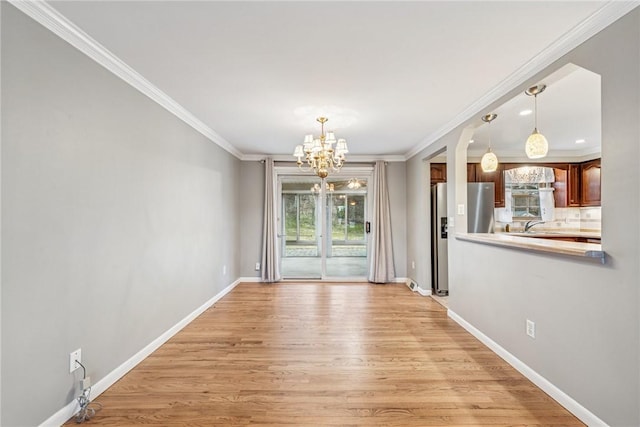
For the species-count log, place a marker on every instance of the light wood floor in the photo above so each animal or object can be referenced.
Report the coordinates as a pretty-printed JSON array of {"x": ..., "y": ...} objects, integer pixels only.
[{"x": 326, "y": 354}]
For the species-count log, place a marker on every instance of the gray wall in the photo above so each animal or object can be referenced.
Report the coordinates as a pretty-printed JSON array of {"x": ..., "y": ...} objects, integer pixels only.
[
  {"x": 251, "y": 217},
  {"x": 117, "y": 219},
  {"x": 587, "y": 315}
]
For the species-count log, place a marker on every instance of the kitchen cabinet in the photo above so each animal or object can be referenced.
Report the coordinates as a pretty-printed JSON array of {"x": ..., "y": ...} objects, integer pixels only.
[
  {"x": 567, "y": 185},
  {"x": 497, "y": 178},
  {"x": 576, "y": 184},
  {"x": 561, "y": 186},
  {"x": 438, "y": 173},
  {"x": 590, "y": 183},
  {"x": 573, "y": 185},
  {"x": 471, "y": 172}
]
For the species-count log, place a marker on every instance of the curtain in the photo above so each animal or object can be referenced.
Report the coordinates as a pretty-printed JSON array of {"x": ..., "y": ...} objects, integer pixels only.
[
  {"x": 381, "y": 269},
  {"x": 270, "y": 263}
]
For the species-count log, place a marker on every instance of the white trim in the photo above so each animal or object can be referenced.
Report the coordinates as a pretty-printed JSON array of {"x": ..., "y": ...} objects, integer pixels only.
[
  {"x": 595, "y": 23},
  {"x": 346, "y": 171},
  {"x": 108, "y": 380},
  {"x": 54, "y": 21},
  {"x": 350, "y": 158},
  {"x": 249, "y": 280},
  {"x": 558, "y": 395},
  {"x": 424, "y": 292}
]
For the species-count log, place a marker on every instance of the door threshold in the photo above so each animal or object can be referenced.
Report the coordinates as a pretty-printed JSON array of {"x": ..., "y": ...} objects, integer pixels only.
[{"x": 327, "y": 279}]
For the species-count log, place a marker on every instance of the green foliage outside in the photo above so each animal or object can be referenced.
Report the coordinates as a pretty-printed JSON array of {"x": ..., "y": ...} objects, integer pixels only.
[{"x": 304, "y": 205}]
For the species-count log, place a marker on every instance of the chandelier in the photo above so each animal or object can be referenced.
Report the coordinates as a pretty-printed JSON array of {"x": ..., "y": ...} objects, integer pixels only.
[{"x": 319, "y": 153}]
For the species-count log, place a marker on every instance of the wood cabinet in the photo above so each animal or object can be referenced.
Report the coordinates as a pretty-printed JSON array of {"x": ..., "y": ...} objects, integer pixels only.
[
  {"x": 573, "y": 185},
  {"x": 576, "y": 184},
  {"x": 561, "y": 186},
  {"x": 438, "y": 173},
  {"x": 590, "y": 183},
  {"x": 471, "y": 172},
  {"x": 567, "y": 186},
  {"x": 497, "y": 178}
]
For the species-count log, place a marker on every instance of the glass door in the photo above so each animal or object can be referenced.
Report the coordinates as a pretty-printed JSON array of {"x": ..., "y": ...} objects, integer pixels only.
[
  {"x": 346, "y": 239},
  {"x": 323, "y": 227},
  {"x": 301, "y": 245}
]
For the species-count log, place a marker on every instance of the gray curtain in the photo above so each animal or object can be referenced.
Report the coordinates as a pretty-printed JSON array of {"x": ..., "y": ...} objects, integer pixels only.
[
  {"x": 381, "y": 269},
  {"x": 270, "y": 263}
]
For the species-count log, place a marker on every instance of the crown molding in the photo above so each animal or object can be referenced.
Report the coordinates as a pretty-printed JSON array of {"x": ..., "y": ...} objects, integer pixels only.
[
  {"x": 57, "y": 23},
  {"x": 350, "y": 159},
  {"x": 599, "y": 20}
]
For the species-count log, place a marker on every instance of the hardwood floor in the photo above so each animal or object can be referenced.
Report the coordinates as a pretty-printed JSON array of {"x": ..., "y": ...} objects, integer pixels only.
[{"x": 326, "y": 354}]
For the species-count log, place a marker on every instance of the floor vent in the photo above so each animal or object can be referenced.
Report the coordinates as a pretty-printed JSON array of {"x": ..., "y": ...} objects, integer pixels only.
[{"x": 412, "y": 285}]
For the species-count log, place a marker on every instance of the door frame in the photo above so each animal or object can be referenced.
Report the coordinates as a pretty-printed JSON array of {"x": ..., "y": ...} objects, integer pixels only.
[{"x": 347, "y": 172}]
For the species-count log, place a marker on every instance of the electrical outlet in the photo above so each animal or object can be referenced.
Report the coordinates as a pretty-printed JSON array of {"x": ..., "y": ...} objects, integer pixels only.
[
  {"x": 73, "y": 356},
  {"x": 461, "y": 209},
  {"x": 257, "y": 266},
  {"x": 531, "y": 328},
  {"x": 413, "y": 265},
  {"x": 224, "y": 270}
]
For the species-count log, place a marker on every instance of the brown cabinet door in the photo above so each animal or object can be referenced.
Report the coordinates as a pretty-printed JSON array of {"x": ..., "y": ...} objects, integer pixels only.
[
  {"x": 560, "y": 186},
  {"x": 438, "y": 173},
  {"x": 573, "y": 185},
  {"x": 471, "y": 172},
  {"x": 590, "y": 183},
  {"x": 497, "y": 178}
]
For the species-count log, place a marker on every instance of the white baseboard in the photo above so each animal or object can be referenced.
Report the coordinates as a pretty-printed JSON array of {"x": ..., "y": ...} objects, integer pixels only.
[
  {"x": 416, "y": 288},
  {"x": 249, "y": 280},
  {"x": 103, "y": 384},
  {"x": 424, "y": 292},
  {"x": 558, "y": 395}
]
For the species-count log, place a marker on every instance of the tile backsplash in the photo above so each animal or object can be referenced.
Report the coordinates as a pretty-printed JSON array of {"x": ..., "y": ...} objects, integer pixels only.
[{"x": 565, "y": 219}]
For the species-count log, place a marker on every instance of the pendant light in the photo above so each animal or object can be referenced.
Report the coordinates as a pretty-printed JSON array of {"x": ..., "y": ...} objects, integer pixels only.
[
  {"x": 489, "y": 162},
  {"x": 536, "y": 146}
]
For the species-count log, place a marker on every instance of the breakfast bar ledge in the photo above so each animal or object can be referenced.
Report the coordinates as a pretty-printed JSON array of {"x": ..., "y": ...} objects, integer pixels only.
[{"x": 577, "y": 249}]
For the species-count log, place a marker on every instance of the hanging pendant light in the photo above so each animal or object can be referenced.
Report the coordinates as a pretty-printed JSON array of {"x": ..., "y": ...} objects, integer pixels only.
[
  {"x": 536, "y": 146},
  {"x": 489, "y": 161}
]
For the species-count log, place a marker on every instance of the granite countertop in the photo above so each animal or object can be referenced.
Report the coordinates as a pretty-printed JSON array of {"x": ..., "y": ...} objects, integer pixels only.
[{"x": 515, "y": 240}]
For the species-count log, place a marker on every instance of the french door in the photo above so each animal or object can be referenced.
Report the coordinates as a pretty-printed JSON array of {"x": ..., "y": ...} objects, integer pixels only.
[{"x": 323, "y": 226}]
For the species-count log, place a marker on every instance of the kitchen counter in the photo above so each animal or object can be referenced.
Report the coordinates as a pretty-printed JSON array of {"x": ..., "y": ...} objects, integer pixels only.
[
  {"x": 555, "y": 234},
  {"x": 584, "y": 236},
  {"x": 548, "y": 245}
]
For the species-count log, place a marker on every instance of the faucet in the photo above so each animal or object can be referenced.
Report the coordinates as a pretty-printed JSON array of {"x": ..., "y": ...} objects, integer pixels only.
[{"x": 530, "y": 224}]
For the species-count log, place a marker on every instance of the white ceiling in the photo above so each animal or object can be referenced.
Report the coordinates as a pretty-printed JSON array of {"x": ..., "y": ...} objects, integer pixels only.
[
  {"x": 388, "y": 74},
  {"x": 569, "y": 110}
]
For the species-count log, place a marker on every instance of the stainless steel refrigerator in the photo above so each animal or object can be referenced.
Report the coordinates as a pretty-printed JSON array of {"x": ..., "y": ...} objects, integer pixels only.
[{"x": 480, "y": 206}]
